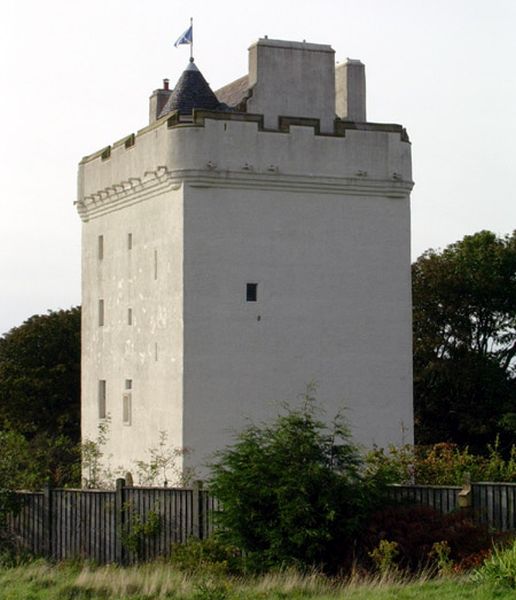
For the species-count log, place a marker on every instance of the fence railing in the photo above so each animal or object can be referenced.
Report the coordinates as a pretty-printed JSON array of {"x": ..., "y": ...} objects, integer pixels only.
[{"x": 134, "y": 523}]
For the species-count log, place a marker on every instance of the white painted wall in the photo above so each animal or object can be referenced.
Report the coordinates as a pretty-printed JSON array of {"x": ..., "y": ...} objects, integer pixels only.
[
  {"x": 292, "y": 79},
  {"x": 333, "y": 277},
  {"x": 150, "y": 350}
]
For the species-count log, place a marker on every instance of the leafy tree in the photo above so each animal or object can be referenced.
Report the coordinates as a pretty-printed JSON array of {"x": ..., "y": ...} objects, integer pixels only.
[
  {"x": 15, "y": 462},
  {"x": 465, "y": 341},
  {"x": 40, "y": 393},
  {"x": 292, "y": 491},
  {"x": 40, "y": 375}
]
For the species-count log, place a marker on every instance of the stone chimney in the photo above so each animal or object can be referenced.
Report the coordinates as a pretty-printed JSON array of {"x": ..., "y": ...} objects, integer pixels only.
[
  {"x": 158, "y": 100},
  {"x": 292, "y": 79},
  {"x": 350, "y": 89}
]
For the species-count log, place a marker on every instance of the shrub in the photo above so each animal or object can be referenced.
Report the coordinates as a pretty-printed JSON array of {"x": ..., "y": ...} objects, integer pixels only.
[
  {"x": 207, "y": 556},
  {"x": 499, "y": 569},
  {"x": 384, "y": 556},
  {"x": 442, "y": 464},
  {"x": 441, "y": 551},
  {"x": 293, "y": 492},
  {"x": 416, "y": 530}
]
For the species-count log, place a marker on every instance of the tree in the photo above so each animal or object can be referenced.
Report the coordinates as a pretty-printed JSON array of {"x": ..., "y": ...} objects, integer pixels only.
[
  {"x": 292, "y": 491},
  {"x": 40, "y": 375},
  {"x": 465, "y": 341},
  {"x": 15, "y": 459},
  {"x": 40, "y": 390}
]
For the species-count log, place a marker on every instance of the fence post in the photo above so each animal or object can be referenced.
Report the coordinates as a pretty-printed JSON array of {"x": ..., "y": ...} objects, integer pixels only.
[
  {"x": 465, "y": 495},
  {"x": 119, "y": 520},
  {"x": 47, "y": 519},
  {"x": 197, "y": 516}
]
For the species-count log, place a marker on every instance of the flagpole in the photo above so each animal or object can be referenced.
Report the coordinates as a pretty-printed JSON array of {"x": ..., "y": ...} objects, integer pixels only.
[{"x": 191, "y": 43}]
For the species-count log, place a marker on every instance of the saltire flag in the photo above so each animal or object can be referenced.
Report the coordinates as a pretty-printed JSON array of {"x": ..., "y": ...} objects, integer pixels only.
[{"x": 185, "y": 38}]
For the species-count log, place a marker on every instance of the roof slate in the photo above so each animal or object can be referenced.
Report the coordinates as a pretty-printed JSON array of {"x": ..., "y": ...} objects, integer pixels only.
[
  {"x": 235, "y": 92},
  {"x": 191, "y": 91}
]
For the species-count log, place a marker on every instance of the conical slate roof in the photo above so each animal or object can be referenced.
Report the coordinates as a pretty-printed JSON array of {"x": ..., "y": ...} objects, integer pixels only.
[{"x": 191, "y": 91}]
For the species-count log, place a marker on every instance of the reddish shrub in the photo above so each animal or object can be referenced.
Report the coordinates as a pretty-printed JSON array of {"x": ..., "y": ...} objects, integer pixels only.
[
  {"x": 473, "y": 561},
  {"x": 416, "y": 528}
]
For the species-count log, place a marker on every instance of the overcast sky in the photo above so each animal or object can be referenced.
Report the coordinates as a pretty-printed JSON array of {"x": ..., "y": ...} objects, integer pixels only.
[{"x": 76, "y": 76}]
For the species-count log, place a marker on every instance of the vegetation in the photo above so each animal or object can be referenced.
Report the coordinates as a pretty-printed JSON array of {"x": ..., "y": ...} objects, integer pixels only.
[
  {"x": 40, "y": 395},
  {"x": 423, "y": 537},
  {"x": 161, "y": 468},
  {"x": 443, "y": 464},
  {"x": 138, "y": 531},
  {"x": 499, "y": 569},
  {"x": 42, "y": 581},
  {"x": 211, "y": 556},
  {"x": 293, "y": 491},
  {"x": 465, "y": 342}
]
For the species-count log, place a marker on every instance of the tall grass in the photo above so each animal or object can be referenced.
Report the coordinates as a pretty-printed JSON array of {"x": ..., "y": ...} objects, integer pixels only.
[
  {"x": 41, "y": 581},
  {"x": 499, "y": 569}
]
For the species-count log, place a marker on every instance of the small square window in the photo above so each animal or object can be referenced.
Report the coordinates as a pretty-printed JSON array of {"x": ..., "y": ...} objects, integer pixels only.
[
  {"x": 128, "y": 384},
  {"x": 251, "y": 293}
]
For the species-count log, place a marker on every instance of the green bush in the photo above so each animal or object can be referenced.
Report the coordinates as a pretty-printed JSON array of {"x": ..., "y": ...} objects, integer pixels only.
[
  {"x": 207, "y": 556},
  {"x": 442, "y": 464},
  {"x": 293, "y": 492},
  {"x": 499, "y": 569}
]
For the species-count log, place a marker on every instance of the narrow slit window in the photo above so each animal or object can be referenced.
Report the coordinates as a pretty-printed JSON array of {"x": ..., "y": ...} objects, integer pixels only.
[
  {"x": 251, "y": 292},
  {"x": 102, "y": 399},
  {"x": 100, "y": 252},
  {"x": 129, "y": 241},
  {"x": 155, "y": 351},
  {"x": 126, "y": 408},
  {"x": 155, "y": 264},
  {"x": 129, "y": 316},
  {"x": 101, "y": 313}
]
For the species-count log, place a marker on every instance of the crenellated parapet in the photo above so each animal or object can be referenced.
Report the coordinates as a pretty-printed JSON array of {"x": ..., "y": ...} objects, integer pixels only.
[{"x": 215, "y": 149}]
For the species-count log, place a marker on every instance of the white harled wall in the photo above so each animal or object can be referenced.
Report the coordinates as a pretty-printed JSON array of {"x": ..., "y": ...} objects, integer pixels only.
[
  {"x": 148, "y": 280},
  {"x": 333, "y": 289}
]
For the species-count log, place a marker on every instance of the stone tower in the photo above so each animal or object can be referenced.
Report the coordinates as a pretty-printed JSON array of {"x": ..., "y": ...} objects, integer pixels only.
[{"x": 245, "y": 243}]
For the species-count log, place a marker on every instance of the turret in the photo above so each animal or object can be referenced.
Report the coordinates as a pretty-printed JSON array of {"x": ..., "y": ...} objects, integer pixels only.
[{"x": 191, "y": 91}]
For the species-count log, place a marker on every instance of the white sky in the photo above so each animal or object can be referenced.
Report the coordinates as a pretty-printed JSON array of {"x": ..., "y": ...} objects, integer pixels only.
[{"x": 76, "y": 76}]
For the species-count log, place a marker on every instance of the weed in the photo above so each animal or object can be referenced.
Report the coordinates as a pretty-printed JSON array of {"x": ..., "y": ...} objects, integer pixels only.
[
  {"x": 499, "y": 569},
  {"x": 441, "y": 552},
  {"x": 384, "y": 556}
]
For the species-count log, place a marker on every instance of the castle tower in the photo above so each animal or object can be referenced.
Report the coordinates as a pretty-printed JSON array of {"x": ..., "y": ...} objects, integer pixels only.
[{"x": 241, "y": 245}]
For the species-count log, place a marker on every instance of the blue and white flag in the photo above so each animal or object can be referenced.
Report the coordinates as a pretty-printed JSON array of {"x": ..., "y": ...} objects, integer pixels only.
[{"x": 185, "y": 38}]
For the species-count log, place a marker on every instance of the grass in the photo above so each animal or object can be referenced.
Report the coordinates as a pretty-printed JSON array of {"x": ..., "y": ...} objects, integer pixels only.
[{"x": 41, "y": 581}]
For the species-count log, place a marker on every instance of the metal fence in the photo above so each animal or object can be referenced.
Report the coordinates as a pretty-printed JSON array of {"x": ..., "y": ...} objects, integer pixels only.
[{"x": 130, "y": 524}]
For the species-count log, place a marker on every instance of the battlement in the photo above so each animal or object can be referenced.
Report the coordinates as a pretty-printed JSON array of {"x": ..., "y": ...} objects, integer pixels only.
[{"x": 237, "y": 148}]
